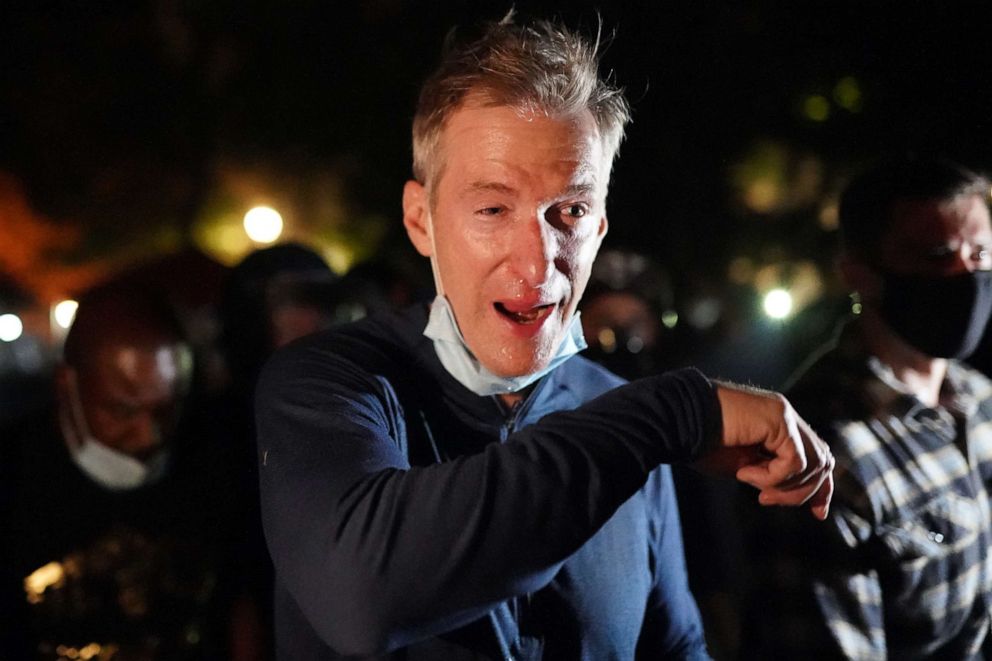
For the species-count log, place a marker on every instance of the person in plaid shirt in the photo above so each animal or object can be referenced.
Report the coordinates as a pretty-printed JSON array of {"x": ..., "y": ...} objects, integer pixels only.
[{"x": 902, "y": 569}]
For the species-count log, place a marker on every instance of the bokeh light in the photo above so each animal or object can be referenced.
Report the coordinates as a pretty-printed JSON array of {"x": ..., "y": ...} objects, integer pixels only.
[
  {"x": 816, "y": 107},
  {"x": 64, "y": 312},
  {"x": 11, "y": 327},
  {"x": 847, "y": 94},
  {"x": 607, "y": 340},
  {"x": 778, "y": 303},
  {"x": 263, "y": 224}
]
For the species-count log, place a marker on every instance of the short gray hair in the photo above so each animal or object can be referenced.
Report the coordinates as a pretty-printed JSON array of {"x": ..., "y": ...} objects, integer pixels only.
[{"x": 542, "y": 66}]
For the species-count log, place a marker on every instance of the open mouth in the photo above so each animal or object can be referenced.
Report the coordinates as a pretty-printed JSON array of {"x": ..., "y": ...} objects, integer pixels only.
[{"x": 526, "y": 316}]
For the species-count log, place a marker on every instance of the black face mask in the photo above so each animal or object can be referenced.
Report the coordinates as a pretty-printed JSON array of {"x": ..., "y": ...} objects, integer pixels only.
[{"x": 943, "y": 317}]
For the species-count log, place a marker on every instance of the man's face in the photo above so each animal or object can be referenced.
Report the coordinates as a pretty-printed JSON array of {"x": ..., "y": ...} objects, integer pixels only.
[
  {"x": 938, "y": 238},
  {"x": 518, "y": 214},
  {"x": 130, "y": 396}
]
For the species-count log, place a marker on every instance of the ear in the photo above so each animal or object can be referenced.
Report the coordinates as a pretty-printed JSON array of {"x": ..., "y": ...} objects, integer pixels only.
[
  {"x": 415, "y": 212},
  {"x": 597, "y": 241}
]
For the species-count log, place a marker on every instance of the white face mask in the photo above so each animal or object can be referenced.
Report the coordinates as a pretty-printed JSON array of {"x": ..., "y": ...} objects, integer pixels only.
[
  {"x": 457, "y": 358},
  {"x": 104, "y": 465}
]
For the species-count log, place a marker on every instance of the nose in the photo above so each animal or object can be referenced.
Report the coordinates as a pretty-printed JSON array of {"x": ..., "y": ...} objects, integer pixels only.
[{"x": 533, "y": 250}]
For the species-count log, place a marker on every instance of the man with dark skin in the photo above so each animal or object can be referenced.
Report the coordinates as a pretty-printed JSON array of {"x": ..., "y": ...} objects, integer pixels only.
[
  {"x": 120, "y": 530},
  {"x": 122, "y": 381}
]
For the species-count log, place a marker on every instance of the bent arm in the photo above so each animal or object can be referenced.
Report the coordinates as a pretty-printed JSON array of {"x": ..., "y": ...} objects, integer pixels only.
[{"x": 379, "y": 554}]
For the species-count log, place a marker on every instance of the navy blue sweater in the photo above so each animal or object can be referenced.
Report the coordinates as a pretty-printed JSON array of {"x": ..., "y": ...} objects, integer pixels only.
[{"x": 407, "y": 515}]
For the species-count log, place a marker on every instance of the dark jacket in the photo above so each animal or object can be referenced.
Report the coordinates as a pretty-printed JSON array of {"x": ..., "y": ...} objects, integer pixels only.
[{"x": 405, "y": 513}]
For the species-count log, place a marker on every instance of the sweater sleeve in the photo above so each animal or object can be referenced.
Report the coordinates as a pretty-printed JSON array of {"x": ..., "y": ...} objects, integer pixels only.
[{"x": 379, "y": 554}]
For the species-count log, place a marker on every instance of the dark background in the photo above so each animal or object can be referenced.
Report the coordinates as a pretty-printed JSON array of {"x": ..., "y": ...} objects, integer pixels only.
[{"x": 127, "y": 130}]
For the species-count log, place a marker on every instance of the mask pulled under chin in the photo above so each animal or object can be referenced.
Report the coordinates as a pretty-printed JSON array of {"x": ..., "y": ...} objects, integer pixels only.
[
  {"x": 115, "y": 470},
  {"x": 110, "y": 468},
  {"x": 942, "y": 317},
  {"x": 458, "y": 360}
]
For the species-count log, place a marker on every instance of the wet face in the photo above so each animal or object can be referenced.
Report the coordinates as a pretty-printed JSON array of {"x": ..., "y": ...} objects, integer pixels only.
[
  {"x": 518, "y": 214},
  {"x": 130, "y": 396},
  {"x": 938, "y": 238}
]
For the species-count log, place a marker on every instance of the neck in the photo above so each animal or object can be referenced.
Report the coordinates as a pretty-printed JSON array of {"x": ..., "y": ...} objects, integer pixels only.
[
  {"x": 922, "y": 374},
  {"x": 510, "y": 400}
]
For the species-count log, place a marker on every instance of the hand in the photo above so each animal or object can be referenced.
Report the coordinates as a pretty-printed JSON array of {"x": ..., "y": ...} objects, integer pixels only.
[{"x": 767, "y": 445}]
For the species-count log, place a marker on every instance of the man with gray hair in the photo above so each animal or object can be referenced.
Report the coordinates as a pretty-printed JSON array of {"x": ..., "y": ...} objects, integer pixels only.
[{"x": 452, "y": 482}]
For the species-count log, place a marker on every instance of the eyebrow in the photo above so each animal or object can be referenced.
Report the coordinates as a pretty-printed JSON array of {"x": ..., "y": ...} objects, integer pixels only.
[
  {"x": 583, "y": 188},
  {"x": 489, "y": 186},
  {"x": 494, "y": 186}
]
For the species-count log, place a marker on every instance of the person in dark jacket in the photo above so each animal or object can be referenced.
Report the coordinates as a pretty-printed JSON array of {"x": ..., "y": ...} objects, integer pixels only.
[
  {"x": 452, "y": 482},
  {"x": 119, "y": 524}
]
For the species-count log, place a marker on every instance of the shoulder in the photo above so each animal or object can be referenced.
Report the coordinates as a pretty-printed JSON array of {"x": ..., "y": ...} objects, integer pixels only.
[
  {"x": 383, "y": 345},
  {"x": 829, "y": 390},
  {"x": 973, "y": 383}
]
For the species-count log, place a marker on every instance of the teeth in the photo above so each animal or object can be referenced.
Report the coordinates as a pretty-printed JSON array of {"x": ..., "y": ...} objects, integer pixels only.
[{"x": 527, "y": 317}]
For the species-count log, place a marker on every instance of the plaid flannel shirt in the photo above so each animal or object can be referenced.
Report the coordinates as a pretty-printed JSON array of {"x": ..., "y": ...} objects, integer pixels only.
[{"x": 902, "y": 567}]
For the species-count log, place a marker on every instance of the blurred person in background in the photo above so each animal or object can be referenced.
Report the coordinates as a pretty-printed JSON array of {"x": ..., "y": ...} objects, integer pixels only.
[
  {"x": 272, "y": 296},
  {"x": 622, "y": 315},
  {"x": 903, "y": 569},
  {"x": 121, "y": 528}
]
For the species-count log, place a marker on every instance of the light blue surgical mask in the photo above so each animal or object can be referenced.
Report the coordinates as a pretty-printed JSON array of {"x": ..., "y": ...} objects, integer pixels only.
[{"x": 458, "y": 360}]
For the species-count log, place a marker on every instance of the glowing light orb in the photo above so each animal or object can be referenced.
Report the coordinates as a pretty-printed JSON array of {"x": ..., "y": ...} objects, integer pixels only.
[
  {"x": 64, "y": 312},
  {"x": 778, "y": 304},
  {"x": 10, "y": 327},
  {"x": 263, "y": 224},
  {"x": 816, "y": 107}
]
